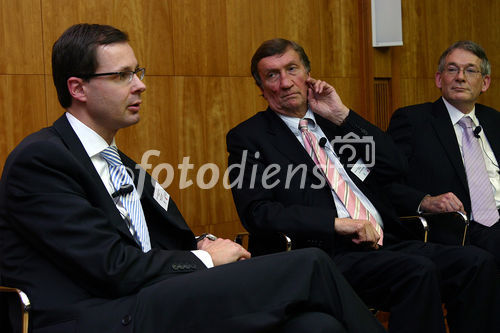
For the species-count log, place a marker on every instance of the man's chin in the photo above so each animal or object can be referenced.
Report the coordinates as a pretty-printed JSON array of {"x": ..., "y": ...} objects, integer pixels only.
[
  {"x": 133, "y": 119},
  {"x": 460, "y": 96}
]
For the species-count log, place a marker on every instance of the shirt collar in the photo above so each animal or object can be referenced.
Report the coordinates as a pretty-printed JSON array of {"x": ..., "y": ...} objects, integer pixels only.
[
  {"x": 91, "y": 141},
  {"x": 293, "y": 122},
  {"x": 456, "y": 114}
]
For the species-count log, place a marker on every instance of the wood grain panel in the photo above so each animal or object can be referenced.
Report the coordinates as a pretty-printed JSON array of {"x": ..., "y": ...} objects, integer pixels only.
[
  {"x": 328, "y": 31},
  {"x": 20, "y": 37},
  {"x": 21, "y": 101},
  {"x": 148, "y": 24},
  {"x": 224, "y": 114},
  {"x": 340, "y": 33},
  {"x": 418, "y": 91},
  {"x": 204, "y": 123},
  {"x": 190, "y": 107},
  {"x": 249, "y": 23},
  {"x": 350, "y": 92},
  {"x": 382, "y": 61},
  {"x": 200, "y": 37}
]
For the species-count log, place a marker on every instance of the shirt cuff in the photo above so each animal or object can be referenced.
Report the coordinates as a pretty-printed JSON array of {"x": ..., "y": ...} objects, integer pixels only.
[{"x": 205, "y": 257}]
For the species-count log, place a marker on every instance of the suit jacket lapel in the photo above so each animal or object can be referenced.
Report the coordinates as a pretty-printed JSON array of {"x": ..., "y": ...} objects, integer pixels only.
[
  {"x": 490, "y": 130},
  {"x": 285, "y": 141},
  {"x": 445, "y": 132},
  {"x": 70, "y": 139},
  {"x": 145, "y": 185}
]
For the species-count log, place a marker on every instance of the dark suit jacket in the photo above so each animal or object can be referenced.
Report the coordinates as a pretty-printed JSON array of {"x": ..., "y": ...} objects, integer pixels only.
[
  {"x": 425, "y": 135},
  {"x": 65, "y": 243},
  {"x": 301, "y": 210}
]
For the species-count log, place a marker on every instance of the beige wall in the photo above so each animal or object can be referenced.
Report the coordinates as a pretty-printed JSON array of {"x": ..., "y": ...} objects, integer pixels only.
[{"x": 197, "y": 55}]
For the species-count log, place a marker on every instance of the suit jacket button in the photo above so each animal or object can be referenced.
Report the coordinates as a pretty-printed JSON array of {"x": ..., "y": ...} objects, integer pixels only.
[{"x": 126, "y": 320}]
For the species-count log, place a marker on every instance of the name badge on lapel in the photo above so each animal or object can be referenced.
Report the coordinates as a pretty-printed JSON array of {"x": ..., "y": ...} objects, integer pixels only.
[
  {"x": 161, "y": 196},
  {"x": 360, "y": 170}
]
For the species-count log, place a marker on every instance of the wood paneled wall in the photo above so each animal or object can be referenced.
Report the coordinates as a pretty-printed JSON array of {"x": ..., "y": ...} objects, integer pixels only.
[{"x": 197, "y": 55}]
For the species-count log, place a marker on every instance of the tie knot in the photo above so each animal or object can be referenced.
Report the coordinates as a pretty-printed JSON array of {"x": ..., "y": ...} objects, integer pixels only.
[
  {"x": 466, "y": 122},
  {"x": 110, "y": 154},
  {"x": 303, "y": 125}
]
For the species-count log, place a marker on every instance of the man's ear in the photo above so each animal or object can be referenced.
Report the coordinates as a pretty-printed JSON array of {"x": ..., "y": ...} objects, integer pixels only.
[
  {"x": 261, "y": 90},
  {"x": 437, "y": 79},
  {"x": 76, "y": 88},
  {"x": 486, "y": 83}
]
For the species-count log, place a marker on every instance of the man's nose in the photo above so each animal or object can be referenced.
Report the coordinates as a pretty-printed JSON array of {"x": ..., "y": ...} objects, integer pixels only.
[
  {"x": 139, "y": 86},
  {"x": 285, "y": 81},
  {"x": 460, "y": 75}
]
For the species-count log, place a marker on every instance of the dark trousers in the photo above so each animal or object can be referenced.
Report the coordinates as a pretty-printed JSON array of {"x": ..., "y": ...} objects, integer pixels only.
[
  {"x": 487, "y": 238},
  {"x": 298, "y": 291},
  {"x": 411, "y": 279}
]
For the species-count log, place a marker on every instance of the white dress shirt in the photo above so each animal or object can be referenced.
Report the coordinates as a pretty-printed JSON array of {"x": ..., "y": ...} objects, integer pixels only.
[
  {"x": 94, "y": 144},
  {"x": 293, "y": 125}
]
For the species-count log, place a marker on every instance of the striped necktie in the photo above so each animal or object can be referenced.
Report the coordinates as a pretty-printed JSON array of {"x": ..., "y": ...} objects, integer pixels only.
[
  {"x": 130, "y": 201},
  {"x": 483, "y": 205},
  {"x": 352, "y": 203}
]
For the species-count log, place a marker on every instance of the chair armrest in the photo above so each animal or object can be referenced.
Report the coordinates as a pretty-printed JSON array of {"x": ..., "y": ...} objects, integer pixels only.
[
  {"x": 242, "y": 238},
  {"x": 447, "y": 228},
  {"x": 417, "y": 225},
  {"x": 264, "y": 243},
  {"x": 23, "y": 301}
]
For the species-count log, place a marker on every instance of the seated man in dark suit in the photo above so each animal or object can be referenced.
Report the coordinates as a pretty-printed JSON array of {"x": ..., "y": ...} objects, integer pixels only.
[
  {"x": 286, "y": 176},
  {"x": 453, "y": 148},
  {"x": 97, "y": 252}
]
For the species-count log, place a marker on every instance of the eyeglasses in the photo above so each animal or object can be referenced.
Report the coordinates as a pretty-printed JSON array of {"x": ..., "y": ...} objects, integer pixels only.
[
  {"x": 125, "y": 76},
  {"x": 469, "y": 72}
]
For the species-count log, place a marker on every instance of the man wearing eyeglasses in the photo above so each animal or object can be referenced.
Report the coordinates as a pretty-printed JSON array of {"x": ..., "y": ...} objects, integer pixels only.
[
  {"x": 97, "y": 251},
  {"x": 453, "y": 148}
]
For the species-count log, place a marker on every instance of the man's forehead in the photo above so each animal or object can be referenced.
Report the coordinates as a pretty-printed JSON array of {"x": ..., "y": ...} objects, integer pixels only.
[
  {"x": 117, "y": 55},
  {"x": 290, "y": 56},
  {"x": 462, "y": 55}
]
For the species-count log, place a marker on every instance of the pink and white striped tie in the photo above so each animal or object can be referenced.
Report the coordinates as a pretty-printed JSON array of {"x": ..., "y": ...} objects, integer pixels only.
[{"x": 352, "y": 203}]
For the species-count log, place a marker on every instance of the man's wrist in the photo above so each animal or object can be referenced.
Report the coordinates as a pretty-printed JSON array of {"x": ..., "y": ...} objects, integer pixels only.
[
  {"x": 339, "y": 117},
  {"x": 419, "y": 208},
  {"x": 343, "y": 120}
]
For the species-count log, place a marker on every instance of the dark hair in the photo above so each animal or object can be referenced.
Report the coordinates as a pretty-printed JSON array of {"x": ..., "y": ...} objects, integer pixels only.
[
  {"x": 470, "y": 46},
  {"x": 74, "y": 53},
  {"x": 273, "y": 47}
]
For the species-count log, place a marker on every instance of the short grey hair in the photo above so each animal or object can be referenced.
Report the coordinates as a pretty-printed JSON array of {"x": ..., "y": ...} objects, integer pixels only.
[{"x": 470, "y": 46}]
